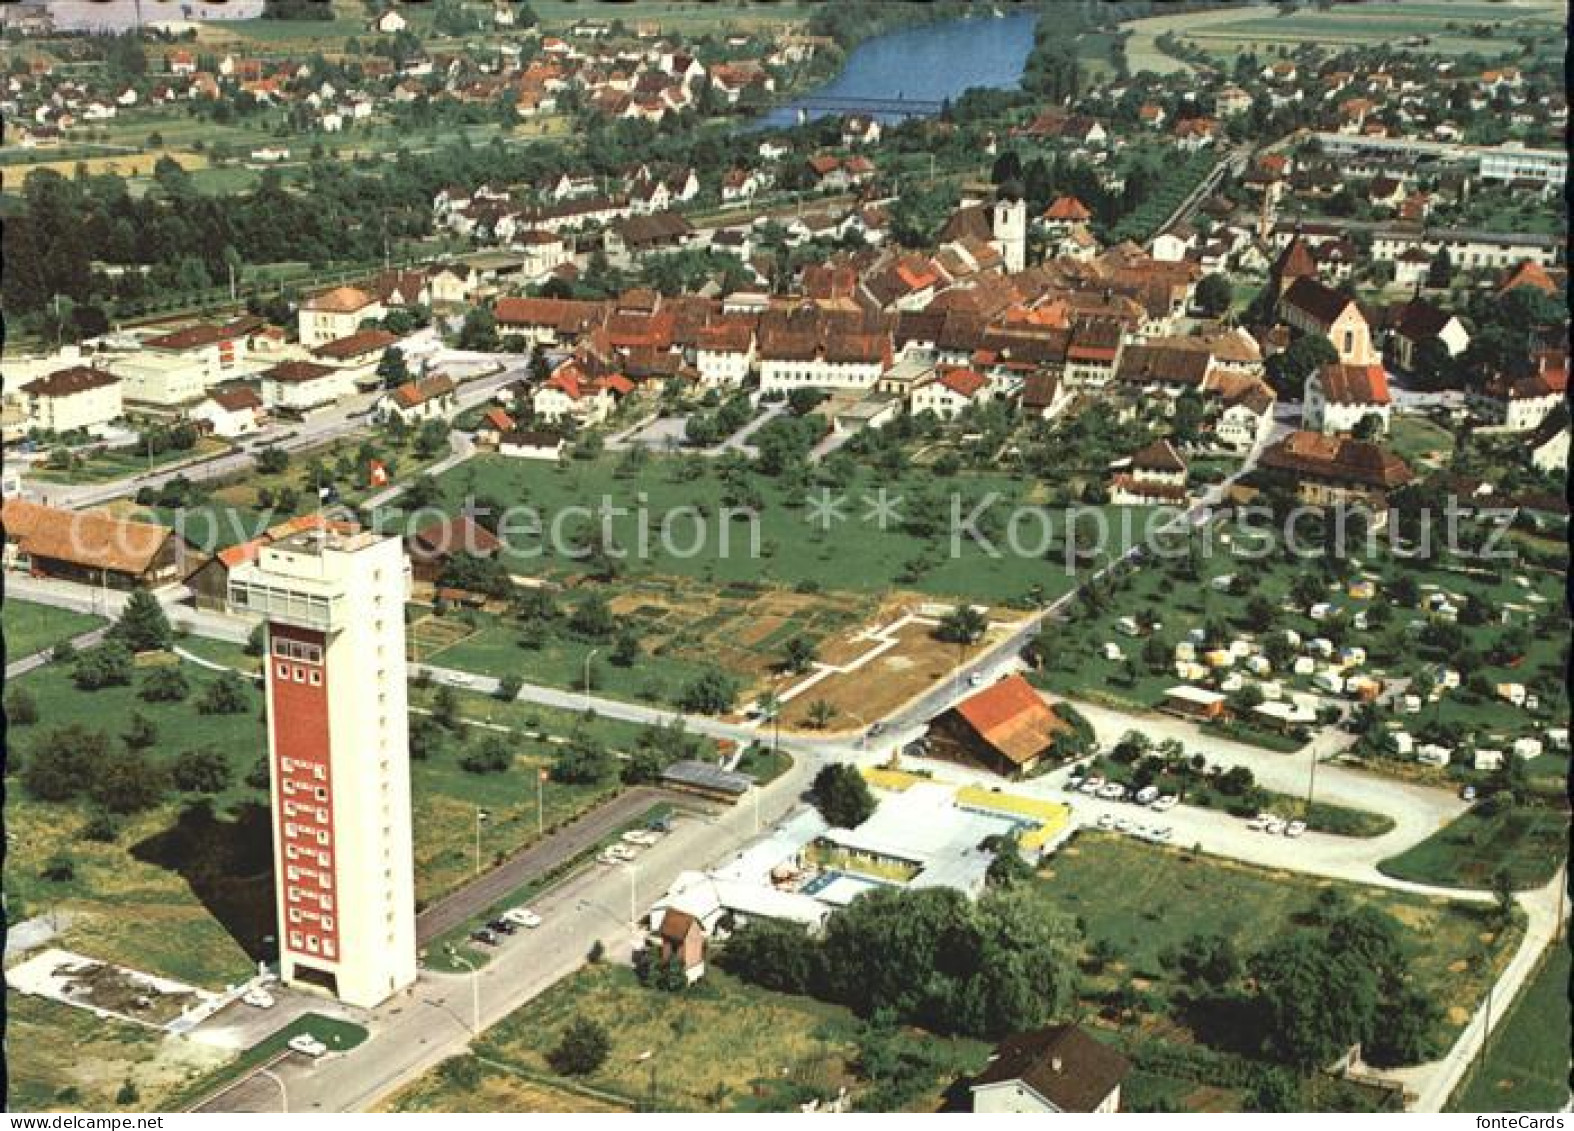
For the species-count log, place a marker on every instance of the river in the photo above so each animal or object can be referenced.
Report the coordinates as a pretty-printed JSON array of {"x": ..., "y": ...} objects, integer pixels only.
[{"x": 930, "y": 62}]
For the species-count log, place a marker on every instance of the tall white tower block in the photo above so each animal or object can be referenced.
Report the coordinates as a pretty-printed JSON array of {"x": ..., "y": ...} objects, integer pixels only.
[{"x": 338, "y": 747}]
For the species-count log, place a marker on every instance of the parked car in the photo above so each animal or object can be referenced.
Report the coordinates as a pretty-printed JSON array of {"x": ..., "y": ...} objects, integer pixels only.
[
  {"x": 975, "y": 679},
  {"x": 1165, "y": 803},
  {"x": 1147, "y": 795},
  {"x": 463, "y": 679},
  {"x": 620, "y": 852},
  {"x": 1259, "y": 821},
  {"x": 1295, "y": 828},
  {"x": 484, "y": 936},
  {"x": 642, "y": 838},
  {"x": 1074, "y": 782},
  {"x": 1468, "y": 793},
  {"x": 1162, "y": 834},
  {"x": 1274, "y": 827},
  {"x": 1113, "y": 791},
  {"x": 258, "y": 998},
  {"x": 523, "y": 916},
  {"x": 307, "y": 1045},
  {"x": 501, "y": 927},
  {"x": 1094, "y": 780}
]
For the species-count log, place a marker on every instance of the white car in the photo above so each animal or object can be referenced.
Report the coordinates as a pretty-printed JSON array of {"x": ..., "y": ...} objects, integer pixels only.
[
  {"x": 1091, "y": 783},
  {"x": 1259, "y": 821},
  {"x": 1161, "y": 835},
  {"x": 258, "y": 998},
  {"x": 1089, "y": 787},
  {"x": 975, "y": 679},
  {"x": 1295, "y": 828},
  {"x": 1114, "y": 791},
  {"x": 522, "y": 916},
  {"x": 644, "y": 838},
  {"x": 1165, "y": 803},
  {"x": 307, "y": 1045},
  {"x": 620, "y": 852},
  {"x": 1274, "y": 827},
  {"x": 1147, "y": 795}
]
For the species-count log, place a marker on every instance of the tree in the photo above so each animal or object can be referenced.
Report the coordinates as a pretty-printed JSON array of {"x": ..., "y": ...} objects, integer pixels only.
[
  {"x": 964, "y": 624},
  {"x": 625, "y": 653},
  {"x": 108, "y": 665},
  {"x": 140, "y": 733},
  {"x": 491, "y": 755},
  {"x": 1214, "y": 295},
  {"x": 164, "y": 684},
  {"x": 1289, "y": 369},
  {"x": 1314, "y": 1001},
  {"x": 592, "y": 619},
  {"x": 1008, "y": 867},
  {"x": 583, "y": 1048},
  {"x": 771, "y": 953},
  {"x": 821, "y": 712},
  {"x": 799, "y": 655},
  {"x": 62, "y": 763},
  {"x": 143, "y": 627},
  {"x": 124, "y": 781},
  {"x": 584, "y": 761},
  {"x": 203, "y": 770},
  {"x": 509, "y": 687},
  {"x": 842, "y": 795},
  {"x": 392, "y": 368},
  {"x": 256, "y": 641},
  {"x": 445, "y": 708},
  {"x": 479, "y": 330},
  {"x": 712, "y": 692},
  {"x": 273, "y": 461},
  {"x": 224, "y": 696},
  {"x": 21, "y": 709}
]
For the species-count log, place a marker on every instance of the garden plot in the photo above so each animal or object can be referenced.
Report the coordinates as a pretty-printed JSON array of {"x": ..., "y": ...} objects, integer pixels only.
[{"x": 107, "y": 990}]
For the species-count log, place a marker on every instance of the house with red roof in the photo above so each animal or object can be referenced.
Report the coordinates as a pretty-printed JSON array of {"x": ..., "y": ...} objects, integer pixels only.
[
  {"x": 951, "y": 391},
  {"x": 1007, "y": 728},
  {"x": 572, "y": 394},
  {"x": 1338, "y": 397}
]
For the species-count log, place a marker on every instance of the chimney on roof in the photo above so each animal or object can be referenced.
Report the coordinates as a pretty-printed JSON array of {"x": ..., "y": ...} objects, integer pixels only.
[{"x": 1055, "y": 1064}]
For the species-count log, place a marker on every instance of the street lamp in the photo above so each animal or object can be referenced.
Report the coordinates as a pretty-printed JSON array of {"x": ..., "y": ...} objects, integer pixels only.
[
  {"x": 590, "y": 655},
  {"x": 480, "y": 815},
  {"x": 475, "y": 988}
]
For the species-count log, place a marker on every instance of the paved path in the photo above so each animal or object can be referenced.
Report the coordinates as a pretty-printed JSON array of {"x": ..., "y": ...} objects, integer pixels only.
[
  {"x": 538, "y": 859},
  {"x": 39, "y": 659}
]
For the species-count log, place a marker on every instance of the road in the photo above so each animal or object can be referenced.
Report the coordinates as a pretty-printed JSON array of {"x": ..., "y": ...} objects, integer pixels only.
[
  {"x": 436, "y": 1018},
  {"x": 539, "y": 859},
  {"x": 345, "y": 417}
]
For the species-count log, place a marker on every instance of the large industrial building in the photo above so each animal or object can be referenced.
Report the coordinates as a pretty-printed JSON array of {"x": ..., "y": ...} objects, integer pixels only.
[{"x": 338, "y": 746}]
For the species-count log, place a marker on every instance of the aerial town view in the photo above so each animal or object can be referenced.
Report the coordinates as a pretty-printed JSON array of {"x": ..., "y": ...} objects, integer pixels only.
[{"x": 785, "y": 556}]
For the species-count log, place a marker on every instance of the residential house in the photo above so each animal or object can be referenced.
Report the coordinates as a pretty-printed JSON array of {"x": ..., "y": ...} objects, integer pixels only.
[
  {"x": 92, "y": 547},
  {"x": 1421, "y": 321},
  {"x": 680, "y": 939},
  {"x": 1056, "y": 1069},
  {"x": 336, "y": 314},
  {"x": 301, "y": 386},
  {"x": 72, "y": 400},
  {"x": 435, "y": 545},
  {"x": 1154, "y": 475},
  {"x": 1338, "y": 397},
  {"x": 358, "y": 355},
  {"x": 416, "y": 401},
  {"x": 1331, "y": 470},
  {"x": 531, "y": 445},
  {"x": 1006, "y": 727},
  {"x": 951, "y": 391},
  {"x": 231, "y": 412}
]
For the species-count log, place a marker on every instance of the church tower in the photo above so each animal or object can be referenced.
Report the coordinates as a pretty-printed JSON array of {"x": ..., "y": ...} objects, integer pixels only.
[{"x": 1009, "y": 224}]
